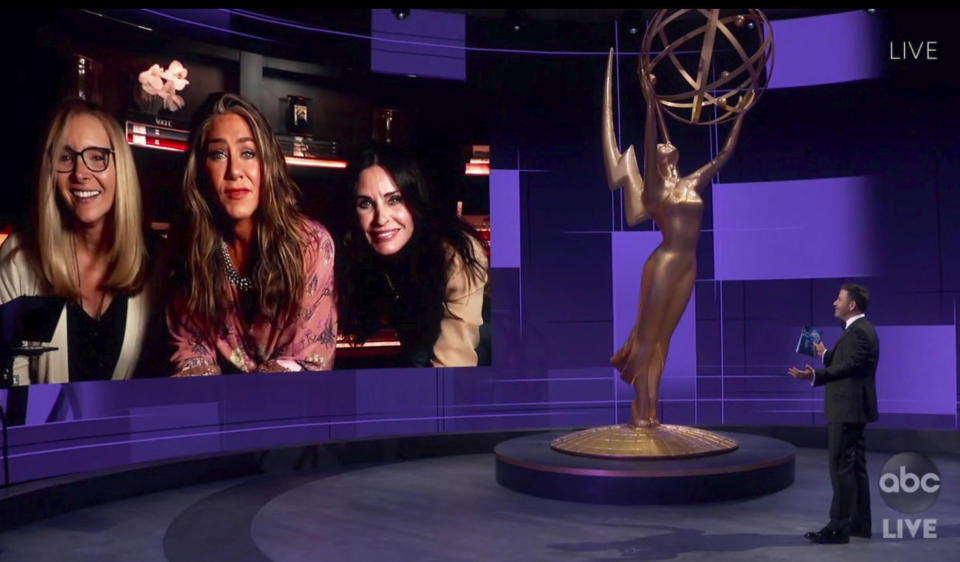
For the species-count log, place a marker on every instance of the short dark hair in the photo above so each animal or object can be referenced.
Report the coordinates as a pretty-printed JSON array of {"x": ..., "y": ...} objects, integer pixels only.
[{"x": 859, "y": 294}]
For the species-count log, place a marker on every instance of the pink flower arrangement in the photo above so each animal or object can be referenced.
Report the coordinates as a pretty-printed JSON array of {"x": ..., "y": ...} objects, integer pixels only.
[{"x": 155, "y": 81}]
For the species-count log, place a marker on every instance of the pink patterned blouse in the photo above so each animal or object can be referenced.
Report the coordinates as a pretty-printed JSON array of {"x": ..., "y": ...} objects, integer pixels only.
[{"x": 302, "y": 339}]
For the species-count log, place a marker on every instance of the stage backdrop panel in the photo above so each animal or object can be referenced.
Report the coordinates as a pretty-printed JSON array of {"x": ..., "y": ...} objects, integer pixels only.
[
  {"x": 797, "y": 229},
  {"x": 505, "y": 218},
  {"x": 827, "y": 49},
  {"x": 917, "y": 373},
  {"x": 405, "y": 47}
]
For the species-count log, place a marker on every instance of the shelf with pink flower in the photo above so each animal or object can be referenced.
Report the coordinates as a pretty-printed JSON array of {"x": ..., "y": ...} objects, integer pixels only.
[{"x": 158, "y": 88}]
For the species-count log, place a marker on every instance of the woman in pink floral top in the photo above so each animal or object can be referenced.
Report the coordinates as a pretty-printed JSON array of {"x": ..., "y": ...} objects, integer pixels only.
[{"x": 255, "y": 286}]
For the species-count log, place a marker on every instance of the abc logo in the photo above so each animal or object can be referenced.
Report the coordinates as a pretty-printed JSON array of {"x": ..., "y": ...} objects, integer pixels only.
[{"x": 909, "y": 483}]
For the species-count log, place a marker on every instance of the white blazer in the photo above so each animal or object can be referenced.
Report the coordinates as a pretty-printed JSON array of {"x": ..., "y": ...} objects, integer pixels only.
[{"x": 18, "y": 278}]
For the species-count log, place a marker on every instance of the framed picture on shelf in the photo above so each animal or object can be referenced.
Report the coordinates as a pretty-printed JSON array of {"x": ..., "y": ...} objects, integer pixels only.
[{"x": 298, "y": 116}]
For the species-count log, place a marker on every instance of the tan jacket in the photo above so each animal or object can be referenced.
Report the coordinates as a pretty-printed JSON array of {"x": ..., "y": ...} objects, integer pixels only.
[{"x": 460, "y": 325}]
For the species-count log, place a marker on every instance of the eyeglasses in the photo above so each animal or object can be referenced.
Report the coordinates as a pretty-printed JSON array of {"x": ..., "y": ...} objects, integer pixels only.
[{"x": 95, "y": 158}]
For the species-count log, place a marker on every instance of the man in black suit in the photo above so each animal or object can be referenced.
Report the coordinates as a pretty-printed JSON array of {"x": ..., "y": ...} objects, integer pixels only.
[{"x": 849, "y": 403}]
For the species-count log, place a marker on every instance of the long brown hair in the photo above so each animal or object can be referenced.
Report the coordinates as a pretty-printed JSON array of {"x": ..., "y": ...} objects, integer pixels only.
[{"x": 278, "y": 269}]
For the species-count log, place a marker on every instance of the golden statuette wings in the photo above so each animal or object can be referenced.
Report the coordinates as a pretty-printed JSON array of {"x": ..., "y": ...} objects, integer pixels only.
[{"x": 622, "y": 169}]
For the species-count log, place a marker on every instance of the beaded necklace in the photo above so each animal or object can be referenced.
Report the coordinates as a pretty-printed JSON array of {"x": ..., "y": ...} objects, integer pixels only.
[{"x": 243, "y": 284}]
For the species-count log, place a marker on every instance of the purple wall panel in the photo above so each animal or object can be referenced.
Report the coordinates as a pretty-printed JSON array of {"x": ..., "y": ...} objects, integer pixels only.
[
  {"x": 262, "y": 435},
  {"x": 420, "y": 23},
  {"x": 57, "y": 461},
  {"x": 709, "y": 388},
  {"x": 826, "y": 49},
  {"x": 679, "y": 412},
  {"x": 486, "y": 399},
  {"x": 383, "y": 392},
  {"x": 772, "y": 412},
  {"x": 29, "y": 438},
  {"x": 917, "y": 373},
  {"x": 565, "y": 279},
  {"x": 403, "y": 54},
  {"x": 187, "y": 414},
  {"x": 776, "y": 385},
  {"x": 384, "y": 402},
  {"x": 948, "y": 201},
  {"x": 506, "y": 319},
  {"x": 709, "y": 413},
  {"x": 917, "y": 369},
  {"x": 504, "y": 218},
  {"x": 949, "y": 232},
  {"x": 192, "y": 415},
  {"x": 259, "y": 397},
  {"x": 794, "y": 229},
  {"x": 583, "y": 418},
  {"x": 557, "y": 417},
  {"x": 360, "y": 428},
  {"x": 708, "y": 348},
  {"x": 572, "y": 343},
  {"x": 209, "y": 17},
  {"x": 774, "y": 312},
  {"x": 708, "y": 328},
  {"x": 43, "y": 399},
  {"x": 581, "y": 385},
  {"x": 925, "y": 421},
  {"x": 734, "y": 345},
  {"x": 174, "y": 446},
  {"x": 463, "y": 389},
  {"x": 416, "y": 64}
]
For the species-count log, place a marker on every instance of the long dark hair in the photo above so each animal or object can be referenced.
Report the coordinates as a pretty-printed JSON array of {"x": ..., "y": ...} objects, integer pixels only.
[
  {"x": 409, "y": 288},
  {"x": 278, "y": 271}
]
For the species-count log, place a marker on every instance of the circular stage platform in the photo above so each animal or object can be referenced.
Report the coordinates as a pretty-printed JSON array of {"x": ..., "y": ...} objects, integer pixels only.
[{"x": 761, "y": 465}]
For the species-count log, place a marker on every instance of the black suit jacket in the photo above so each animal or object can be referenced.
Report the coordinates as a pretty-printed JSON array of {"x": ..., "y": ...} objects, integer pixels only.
[{"x": 849, "y": 375}]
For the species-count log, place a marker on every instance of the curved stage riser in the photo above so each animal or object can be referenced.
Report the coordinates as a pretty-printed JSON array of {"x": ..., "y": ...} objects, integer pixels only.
[{"x": 760, "y": 466}]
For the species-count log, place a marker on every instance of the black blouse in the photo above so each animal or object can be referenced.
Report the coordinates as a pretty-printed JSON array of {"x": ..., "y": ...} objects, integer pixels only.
[{"x": 94, "y": 344}]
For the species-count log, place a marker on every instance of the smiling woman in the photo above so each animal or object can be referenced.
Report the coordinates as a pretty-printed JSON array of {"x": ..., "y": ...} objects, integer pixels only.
[
  {"x": 408, "y": 263},
  {"x": 255, "y": 276},
  {"x": 384, "y": 216},
  {"x": 84, "y": 244}
]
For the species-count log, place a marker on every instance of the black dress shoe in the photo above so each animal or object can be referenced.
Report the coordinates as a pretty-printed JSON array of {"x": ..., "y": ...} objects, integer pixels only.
[
  {"x": 810, "y": 535},
  {"x": 828, "y": 536}
]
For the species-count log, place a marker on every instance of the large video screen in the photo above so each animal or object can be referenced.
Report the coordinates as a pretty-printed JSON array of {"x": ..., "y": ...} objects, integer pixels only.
[{"x": 363, "y": 222}]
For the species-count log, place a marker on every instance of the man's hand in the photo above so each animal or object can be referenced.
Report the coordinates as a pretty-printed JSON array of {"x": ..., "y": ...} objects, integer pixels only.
[
  {"x": 802, "y": 374},
  {"x": 820, "y": 348}
]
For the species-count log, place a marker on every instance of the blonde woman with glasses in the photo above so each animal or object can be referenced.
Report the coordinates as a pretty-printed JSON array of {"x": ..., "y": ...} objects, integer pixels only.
[{"x": 83, "y": 243}]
